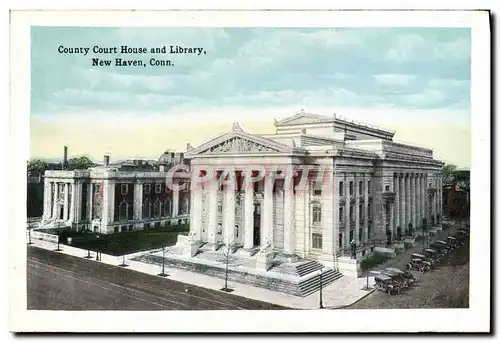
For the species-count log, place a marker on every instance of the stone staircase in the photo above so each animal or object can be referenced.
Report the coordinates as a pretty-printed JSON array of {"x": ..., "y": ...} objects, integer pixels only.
[{"x": 309, "y": 281}]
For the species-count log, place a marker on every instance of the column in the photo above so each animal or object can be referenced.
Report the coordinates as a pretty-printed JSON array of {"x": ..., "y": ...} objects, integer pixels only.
[
  {"x": 422, "y": 198},
  {"x": 90, "y": 195},
  {"x": 391, "y": 223},
  {"x": 289, "y": 226},
  {"x": 356, "y": 209},
  {"x": 111, "y": 201},
  {"x": 418, "y": 222},
  {"x": 138, "y": 192},
  {"x": 367, "y": 217},
  {"x": 440, "y": 195},
  {"x": 105, "y": 206},
  {"x": 402, "y": 203},
  {"x": 78, "y": 201},
  {"x": 73, "y": 199},
  {"x": 407, "y": 203},
  {"x": 175, "y": 199},
  {"x": 229, "y": 213},
  {"x": 413, "y": 201},
  {"x": 212, "y": 209},
  {"x": 427, "y": 199},
  {"x": 46, "y": 198},
  {"x": 396, "y": 205},
  {"x": 56, "y": 197},
  {"x": 347, "y": 225},
  {"x": 195, "y": 212},
  {"x": 267, "y": 211}
]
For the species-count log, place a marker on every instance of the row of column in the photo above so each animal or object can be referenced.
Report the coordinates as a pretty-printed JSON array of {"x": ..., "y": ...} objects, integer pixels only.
[
  {"x": 229, "y": 213},
  {"x": 410, "y": 203},
  {"x": 52, "y": 190},
  {"x": 355, "y": 178}
]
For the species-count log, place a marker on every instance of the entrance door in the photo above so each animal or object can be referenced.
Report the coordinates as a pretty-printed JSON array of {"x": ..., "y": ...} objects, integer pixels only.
[
  {"x": 61, "y": 212},
  {"x": 256, "y": 225}
]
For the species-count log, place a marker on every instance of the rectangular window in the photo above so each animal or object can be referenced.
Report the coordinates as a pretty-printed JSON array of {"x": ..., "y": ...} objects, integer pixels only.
[
  {"x": 351, "y": 188},
  {"x": 316, "y": 189},
  {"x": 130, "y": 227},
  {"x": 369, "y": 211},
  {"x": 361, "y": 188},
  {"x": 360, "y": 235},
  {"x": 341, "y": 214},
  {"x": 116, "y": 230},
  {"x": 317, "y": 214},
  {"x": 147, "y": 189},
  {"x": 124, "y": 189},
  {"x": 341, "y": 189},
  {"x": 157, "y": 188},
  {"x": 351, "y": 213},
  {"x": 361, "y": 216},
  {"x": 219, "y": 208},
  {"x": 317, "y": 241},
  {"x": 387, "y": 188},
  {"x": 369, "y": 230},
  {"x": 340, "y": 240},
  {"x": 369, "y": 187},
  {"x": 351, "y": 235}
]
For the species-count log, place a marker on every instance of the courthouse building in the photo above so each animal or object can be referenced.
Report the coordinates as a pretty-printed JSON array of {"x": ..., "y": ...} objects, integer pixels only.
[{"x": 370, "y": 192}]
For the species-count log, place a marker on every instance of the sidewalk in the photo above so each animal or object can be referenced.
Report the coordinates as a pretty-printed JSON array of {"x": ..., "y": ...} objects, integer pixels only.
[{"x": 342, "y": 292}]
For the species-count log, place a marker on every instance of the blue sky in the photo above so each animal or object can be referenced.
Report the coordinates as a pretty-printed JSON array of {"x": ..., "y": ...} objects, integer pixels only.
[{"x": 423, "y": 74}]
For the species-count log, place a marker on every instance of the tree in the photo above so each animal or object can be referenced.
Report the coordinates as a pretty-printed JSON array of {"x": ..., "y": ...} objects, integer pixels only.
[
  {"x": 80, "y": 163},
  {"x": 37, "y": 166},
  {"x": 449, "y": 173}
]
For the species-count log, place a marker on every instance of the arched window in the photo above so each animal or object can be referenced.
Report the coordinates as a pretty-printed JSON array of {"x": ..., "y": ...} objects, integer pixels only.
[
  {"x": 123, "y": 211},
  {"x": 167, "y": 207},
  {"x": 157, "y": 208},
  {"x": 146, "y": 208},
  {"x": 185, "y": 205}
]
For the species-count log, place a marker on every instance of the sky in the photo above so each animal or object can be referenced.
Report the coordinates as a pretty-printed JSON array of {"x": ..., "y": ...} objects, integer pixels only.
[{"x": 415, "y": 81}]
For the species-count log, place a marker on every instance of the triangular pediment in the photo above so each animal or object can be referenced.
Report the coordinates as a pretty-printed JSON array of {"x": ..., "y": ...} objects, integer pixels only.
[
  {"x": 239, "y": 142},
  {"x": 305, "y": 118}
]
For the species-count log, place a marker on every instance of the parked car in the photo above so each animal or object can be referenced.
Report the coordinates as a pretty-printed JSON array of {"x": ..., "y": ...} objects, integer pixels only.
[{"x": 385, "y": 283}]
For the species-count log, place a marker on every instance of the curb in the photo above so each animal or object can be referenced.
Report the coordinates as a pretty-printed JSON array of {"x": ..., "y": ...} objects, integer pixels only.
[{"x": 357, "y": 300}]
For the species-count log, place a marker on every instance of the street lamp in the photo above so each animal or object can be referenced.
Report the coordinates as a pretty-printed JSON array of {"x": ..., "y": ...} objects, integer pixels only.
[
  {"x": 97, "y": 249},
  {"x": 58, "y": 236},
  {"x": 29, "y": 237},
  {"x": 163, "y": 274},
  {"x": 321, "y": 288}
]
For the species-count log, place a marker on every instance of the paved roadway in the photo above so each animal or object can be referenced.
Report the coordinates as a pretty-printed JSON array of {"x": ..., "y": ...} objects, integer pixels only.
[
  {"x": 446, "y": 286},
  {"x": 63, "y": 282}
]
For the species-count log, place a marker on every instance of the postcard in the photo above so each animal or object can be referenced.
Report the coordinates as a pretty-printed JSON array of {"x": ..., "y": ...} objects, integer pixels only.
[{"x": 264, "y": 171}]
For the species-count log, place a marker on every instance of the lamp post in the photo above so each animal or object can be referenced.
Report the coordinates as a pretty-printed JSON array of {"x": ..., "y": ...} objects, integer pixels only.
[
  {"x": 321, "y": 288},
  {"x": 58, "y": 236},
  {"x": 97, "y": 249},
  {"x": 163, "y": 274},
  {"x": 29, "y": 237}
]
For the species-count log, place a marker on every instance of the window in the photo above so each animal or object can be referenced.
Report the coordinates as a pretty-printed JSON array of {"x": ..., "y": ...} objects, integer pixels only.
[
  {"x": 123, "y": 211},
  {"x": 340, "y": 241},
  {"x": 387, "y": 188},
  {"x": 97, "y": 188},
  {"x": 370, "y": 211},
  {"x": 124, "y": 189},
  {"x": 351, "y": 188},
  {"x": 157, "y": 188},
  {"x": 351, "y": 235},
  {"x": 316, "y": 189},
  {"x": 361, "y": 188},
  {"x": 351, "y": 213},
  {"x": 369, "y": 187},
  {"x": 146, "y": 209},
  {"x": 341, "y": 214},
  {"x": 219, "y": 209},
  {"x": 341, "y": 189},
  {"x": 360, "y": 235},
  {"x": 369, "y": 230},
  {"x": 147, "y": 189},
  {"x": 317, "y": 214},
  {"x": 361, "y": 216},
  {"x": 317, "y": 241},
  {"x": 167, "y": 207},
  {"x": 237, "y": 229},
  {"x": 157, "y": 208},
  {"x": 130, "y": 227}
]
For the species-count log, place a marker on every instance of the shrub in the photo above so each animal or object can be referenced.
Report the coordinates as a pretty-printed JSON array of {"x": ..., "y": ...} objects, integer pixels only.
[{"x": 373, "y": 260}]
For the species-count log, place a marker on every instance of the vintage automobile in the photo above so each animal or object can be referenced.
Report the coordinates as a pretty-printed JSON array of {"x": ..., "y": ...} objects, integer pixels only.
[
  {"x": 417, "y": 256},
  {"x": 419, "y": 265},
  {"x": 432, "y": 255},
  {"x": 386, "y": 284},
  {"x": 397, "y": 279},
  {"x": 410, "y": 279},
  {"x": 452, "y": 242},
  {"x": 441, "y": 248}
]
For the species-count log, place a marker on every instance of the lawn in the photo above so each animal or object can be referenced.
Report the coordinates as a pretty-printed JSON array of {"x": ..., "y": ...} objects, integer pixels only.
[{"x": 130, "y": 242}]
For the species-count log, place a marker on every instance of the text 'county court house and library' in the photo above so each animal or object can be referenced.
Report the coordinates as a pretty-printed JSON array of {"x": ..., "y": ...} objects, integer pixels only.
[{"x": 315, "y": 188}]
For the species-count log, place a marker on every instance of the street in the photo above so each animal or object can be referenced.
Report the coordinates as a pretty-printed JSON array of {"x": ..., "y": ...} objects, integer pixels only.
[
  {"x": 446, "y": 286},
  {"x": 61, "y": 282}
]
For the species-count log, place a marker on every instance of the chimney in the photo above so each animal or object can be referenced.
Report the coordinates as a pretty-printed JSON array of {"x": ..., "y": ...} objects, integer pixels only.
[
  {"x": 65, "y": 157},
  {"x": 106, "y": 160}
]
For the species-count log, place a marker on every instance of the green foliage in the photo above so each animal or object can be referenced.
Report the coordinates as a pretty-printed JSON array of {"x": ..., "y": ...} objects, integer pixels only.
[
  {"x": 449, "y": 173},
  {"x": 373, "y": 260},
  {"x": 79, "y": 163},
  {"x": 37, "y": 166},
  {"x": 130, "y": 242}
]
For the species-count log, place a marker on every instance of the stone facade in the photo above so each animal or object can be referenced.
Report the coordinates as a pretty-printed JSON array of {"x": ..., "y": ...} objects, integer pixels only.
[{"x": 353, "y": 189}]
